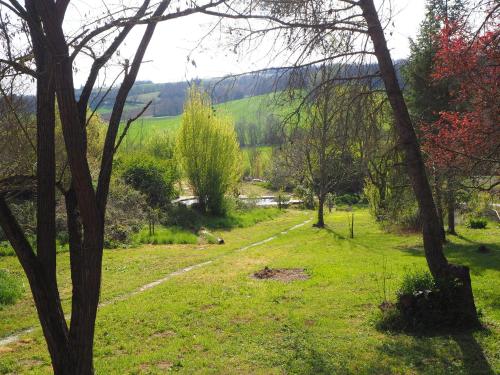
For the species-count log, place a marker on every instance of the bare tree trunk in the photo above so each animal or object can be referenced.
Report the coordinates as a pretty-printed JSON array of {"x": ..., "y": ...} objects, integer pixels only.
[
  {"x": 451, "y": 203},
  {"x": 321, "y": 216},
  {"x": 439, "y": 205},
  {"x": 438, "y": 264}
]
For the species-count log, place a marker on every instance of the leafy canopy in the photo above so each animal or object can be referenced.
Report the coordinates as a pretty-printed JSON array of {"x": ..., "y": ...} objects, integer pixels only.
[{"x": 209, "y": 151}]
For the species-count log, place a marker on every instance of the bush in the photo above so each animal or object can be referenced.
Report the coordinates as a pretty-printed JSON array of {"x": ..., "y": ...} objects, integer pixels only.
[
  {"x": 477, "y": 223},
  {"x": 306, "y": 195},
  {"x": 347, "y": 199},
  {"x": 416, "y": 281},
  {"x": 424, "y": 304},
  {"x": 10, "y": 289},
  {"x": 125, "y": 214},
  {"x": 153, "y": 177}
]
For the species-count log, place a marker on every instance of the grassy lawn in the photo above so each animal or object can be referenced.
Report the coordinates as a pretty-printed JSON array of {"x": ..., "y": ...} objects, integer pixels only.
[{"x": 220, "y": 320}]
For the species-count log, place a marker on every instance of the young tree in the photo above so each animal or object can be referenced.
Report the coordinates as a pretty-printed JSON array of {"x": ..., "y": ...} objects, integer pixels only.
[
  {"x": 209, "y": 151},
  {"x": 321, "y": 144},
  {"x": 35, "y": 45}
]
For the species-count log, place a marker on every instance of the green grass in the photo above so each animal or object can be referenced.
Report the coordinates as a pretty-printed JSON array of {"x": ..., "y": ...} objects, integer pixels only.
[
  {"x": 253, "y": 109},
  {"x": 10, "y": 288},
  {"x": 220, "y": 320},
  {"x": 165, "y": 236},
  {"x": 6, "y": 249},
  {"x": 125, "y": 270},
  {"x": 192, "y": 219}
]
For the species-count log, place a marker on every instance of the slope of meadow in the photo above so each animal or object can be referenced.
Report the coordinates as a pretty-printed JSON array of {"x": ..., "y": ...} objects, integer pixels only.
[
  {"x": 248, "y": 110},
  {"x": 219, "y": 319}
]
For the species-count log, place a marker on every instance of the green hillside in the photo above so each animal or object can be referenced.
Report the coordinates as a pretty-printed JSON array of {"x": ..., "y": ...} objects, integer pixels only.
[{"x": 254, "y": 109}]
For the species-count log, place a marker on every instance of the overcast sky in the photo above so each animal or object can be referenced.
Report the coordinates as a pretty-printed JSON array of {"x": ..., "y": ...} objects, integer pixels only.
[{"x": 173, "y": 41}]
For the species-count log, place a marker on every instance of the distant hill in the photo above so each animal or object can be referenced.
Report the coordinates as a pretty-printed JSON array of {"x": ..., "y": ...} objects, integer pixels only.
[
  {"x": 256, "y": 122},
  {"x": 168, "y": 98}
]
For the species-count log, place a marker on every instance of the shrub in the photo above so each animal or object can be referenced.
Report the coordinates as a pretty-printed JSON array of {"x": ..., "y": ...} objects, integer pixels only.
[
  {"x": 347, "y": 199},
  {"x": 306, "y": 195},
  {"x": 153, "y": 177},
  {"x": 282, "y": 199},
  {"x": 425, "y": 304},
  {"x": 125, "y": 214},
  {"x": 10, "y": 288},
  {"x": 416, "y": 281},
  {"x": 477, "y": 223}
]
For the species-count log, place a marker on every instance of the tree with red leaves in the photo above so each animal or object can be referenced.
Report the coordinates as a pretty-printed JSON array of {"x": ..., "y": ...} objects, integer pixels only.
[{"x": 463, "y": 142}]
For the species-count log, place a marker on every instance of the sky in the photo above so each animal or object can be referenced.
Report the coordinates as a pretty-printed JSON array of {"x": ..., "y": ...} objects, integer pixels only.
[{"x": 175, "y": 40}]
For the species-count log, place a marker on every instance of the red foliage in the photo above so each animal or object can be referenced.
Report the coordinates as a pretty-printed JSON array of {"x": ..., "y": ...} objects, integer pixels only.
[{"x": 466, "y": 140}]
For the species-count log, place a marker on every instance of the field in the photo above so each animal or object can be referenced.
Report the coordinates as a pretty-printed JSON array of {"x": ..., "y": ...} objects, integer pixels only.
[
  {"x": 217, "y": 319},
  {"x": 251, "y": 109}
]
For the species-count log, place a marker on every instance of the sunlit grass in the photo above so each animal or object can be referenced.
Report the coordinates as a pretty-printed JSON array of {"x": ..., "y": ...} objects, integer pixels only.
[
  {"x": 220, "y": 320},
  {"x": 165, "y": 236}
]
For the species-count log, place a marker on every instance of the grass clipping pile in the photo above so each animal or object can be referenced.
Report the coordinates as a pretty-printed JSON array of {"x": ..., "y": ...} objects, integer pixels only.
[{"x": 281, "y": 274}]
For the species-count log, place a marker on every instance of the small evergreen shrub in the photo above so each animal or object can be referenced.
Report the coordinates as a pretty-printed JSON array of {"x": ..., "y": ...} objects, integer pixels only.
[
  {"x": 477, "y": 223},
  {"x": 10, "y": 289}
]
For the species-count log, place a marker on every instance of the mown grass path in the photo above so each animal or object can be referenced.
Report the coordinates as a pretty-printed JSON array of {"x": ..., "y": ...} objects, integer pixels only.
[
  {"x": 219, "y": 320},
  {"x": 18, "y": 308}
]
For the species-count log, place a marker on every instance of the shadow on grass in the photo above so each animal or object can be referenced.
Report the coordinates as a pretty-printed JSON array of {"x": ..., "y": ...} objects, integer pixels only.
[
  {"x": 466, "y": 254},
  {"x": 430, "y": 353},
  {"x": 425, "y": 354},
  {"x": 191, "y": 219},
  {"x": 303, "y": 356},
  {"x": 336, "y": 235},
  {"x": 474, "y": 360}
]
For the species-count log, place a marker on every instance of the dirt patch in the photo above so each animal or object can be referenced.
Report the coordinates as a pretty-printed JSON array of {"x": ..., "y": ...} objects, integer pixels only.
[
  {"x": 281, "y": 274},
  {"x": 165, "y": 365},
  {"x": 31, "y": 363},
  {"x": 163, "y": 334}
]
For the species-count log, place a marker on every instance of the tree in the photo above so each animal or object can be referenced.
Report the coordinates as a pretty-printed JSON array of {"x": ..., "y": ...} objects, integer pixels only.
[
  {"x": 35, "y": 46},
  {"x": 343, "y": 30},
  {"x": 438, "y": 264},
  {"x": 321, "y": 143},
  {"x": 463, "y": 139},
  {"x": 427, "y": 98},
  {"x": 209, "y": 151}
]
